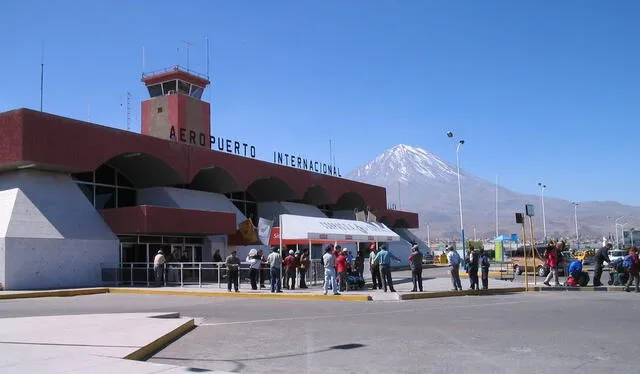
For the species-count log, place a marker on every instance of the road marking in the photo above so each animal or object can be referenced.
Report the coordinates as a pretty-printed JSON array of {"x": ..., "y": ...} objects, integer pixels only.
[{"x": 358, "y": 315}]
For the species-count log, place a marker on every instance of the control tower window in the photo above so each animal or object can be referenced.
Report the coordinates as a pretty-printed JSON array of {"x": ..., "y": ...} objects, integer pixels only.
[
  {"x": 155, "y": 90},
  {"x": 169, "y": 87},
  {"x": 196, "y": 91},
  {"x": 183, "y": 87}
]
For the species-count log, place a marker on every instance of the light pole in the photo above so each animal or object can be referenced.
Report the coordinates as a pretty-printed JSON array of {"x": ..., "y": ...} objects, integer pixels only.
[
  {"x": 617, "y": 219},
  {"x": 544, "y": 221},
  {"x": 575, "y": 216},
  {"x": 622, "y": 225},
  {"x": 428, "y": 236},
  {"x": 460, "y": 143}
]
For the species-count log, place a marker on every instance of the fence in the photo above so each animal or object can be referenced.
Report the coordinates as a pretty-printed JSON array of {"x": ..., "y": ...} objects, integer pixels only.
[{"x": 193, "y": 274}]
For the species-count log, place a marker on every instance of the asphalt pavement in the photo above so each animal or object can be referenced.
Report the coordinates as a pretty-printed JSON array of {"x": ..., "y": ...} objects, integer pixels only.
[{"x": 546, "y": 332}]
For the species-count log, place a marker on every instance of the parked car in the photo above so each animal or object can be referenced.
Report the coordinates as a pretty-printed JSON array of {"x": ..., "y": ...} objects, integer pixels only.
[
  {"x": 541, "y": 269},
  {"x": 615, "y": 254}
]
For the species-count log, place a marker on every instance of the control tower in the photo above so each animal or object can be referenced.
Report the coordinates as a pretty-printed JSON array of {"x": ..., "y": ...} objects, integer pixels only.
[{"x": 175, "y": 110}]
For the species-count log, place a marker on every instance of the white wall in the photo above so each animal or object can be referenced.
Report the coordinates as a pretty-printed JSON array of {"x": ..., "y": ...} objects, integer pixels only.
[
  {"x": 400, "y": 249},
  {"x": 50, "y": 233}
]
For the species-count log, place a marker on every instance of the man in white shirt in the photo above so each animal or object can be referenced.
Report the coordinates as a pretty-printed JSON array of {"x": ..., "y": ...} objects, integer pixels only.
[
  {"x": 158, "y": 268},
  {"x": 329, "y": 262},
  {"x": 275, "y": 265},
  {"x": 453, "y": 259},
  {"x": 255, "y": 261}
]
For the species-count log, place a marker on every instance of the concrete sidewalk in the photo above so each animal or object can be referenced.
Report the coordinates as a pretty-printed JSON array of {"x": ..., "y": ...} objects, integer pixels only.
[{"x": 96, "y": 343}]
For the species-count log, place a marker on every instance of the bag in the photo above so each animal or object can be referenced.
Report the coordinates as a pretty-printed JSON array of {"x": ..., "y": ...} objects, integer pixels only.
[{"x": 628, "y": 262}]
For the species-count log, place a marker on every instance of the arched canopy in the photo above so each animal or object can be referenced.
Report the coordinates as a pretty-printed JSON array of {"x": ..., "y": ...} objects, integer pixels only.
[
  {"x": 350, "y": 200},
  {"x": 316, "y": 195},
  {"x": 144, "y": 170},
  {"x": 271, "y": 189},
  {"x": 214, "y": 179}
]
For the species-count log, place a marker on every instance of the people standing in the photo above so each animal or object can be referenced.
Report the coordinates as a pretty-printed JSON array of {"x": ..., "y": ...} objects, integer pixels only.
[
  {"x": 415, "y": 262},
  {"x": 384, "y": 257},
  {"x": 290, "y": 265},
  {"x": 275, "y": 264},
  {"x": 551, "y": 261},
  {"x": 264, "y": 268},
  {"x": 341, "y": 269},
  {"x": 484, "y": 269},
  {"x": 216, "y": 256},
  {"x": 472, "y": 268},
  {"x": 158, "y": 268},
  {"x": 233, "y": 268},
  {"x": 305, "y": 263},
  {"x": 374, "y": 268},
  {"x": 329, "y": 262},
  {"x": 453, "y": 258},
  {"x": 633, "y": 267},
  {"x": 255, "y": 262},
  {"x": 601, "y": 256}
]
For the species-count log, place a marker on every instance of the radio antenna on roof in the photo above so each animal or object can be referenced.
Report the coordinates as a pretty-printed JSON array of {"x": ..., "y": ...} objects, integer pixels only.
[
  {"x": 41, "y": 74},
  {"x": 207, "y": 38},
  {"x": 143, "y": 60},
  {"x": 188, "y": 45}
]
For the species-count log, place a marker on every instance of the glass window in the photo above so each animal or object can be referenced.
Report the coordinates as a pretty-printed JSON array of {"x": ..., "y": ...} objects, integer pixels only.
[
  {"x": 150, "y": 239},
  {"x": 106, "y": 175},
  {"x": 183, "y": 87},
  {"x": 239, "y": 205},
  {"x": 87, "y": 189},
  {"x": 155, "y": 90},
  {"x": 123, "y": 181},
  {"x": 169, "y": 86},
  {"x": 128, "y": 239},
  {"x": 252, "y": 210},
  {"x": 197, "y": 240},
  {"x": 105, "y": 197},
  {"x": 126, "y": 197},
  {"x": 196, "y": 91},
  {"x": 173, "y": 239},
  {"x": 84, "y": 177}
]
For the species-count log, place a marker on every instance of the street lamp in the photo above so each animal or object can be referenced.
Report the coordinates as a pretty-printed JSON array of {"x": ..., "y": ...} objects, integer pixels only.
[
  {"x": 616, "y": 222},
  {"x": 544, "y": 221},
  {"x": 460, "y": 143},
  {"x": 622, "y": 225},
  {"x": 575, "y": 216}
]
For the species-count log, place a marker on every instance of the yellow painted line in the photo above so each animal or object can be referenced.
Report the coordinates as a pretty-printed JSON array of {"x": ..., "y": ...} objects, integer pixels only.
[
  {"x": 57, "y": 293},
  {"x": 432, "y": 295},
  {"x": 156, "y": 345},
  {"x": 342, "y": 297}
]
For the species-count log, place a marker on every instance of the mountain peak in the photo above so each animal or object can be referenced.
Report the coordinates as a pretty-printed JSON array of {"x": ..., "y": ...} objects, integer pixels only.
[{"x": 404, "y": 163}]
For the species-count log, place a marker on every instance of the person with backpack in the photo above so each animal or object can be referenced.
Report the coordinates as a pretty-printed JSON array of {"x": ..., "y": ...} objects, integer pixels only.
[
  {"x": 453, "y": 259},
  {"x": 484, "y": 269},
  {"x": 632, "y": 265}
]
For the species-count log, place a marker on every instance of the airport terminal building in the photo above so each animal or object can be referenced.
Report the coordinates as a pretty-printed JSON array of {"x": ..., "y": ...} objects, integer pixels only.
[{"x": 78, "y": 197}]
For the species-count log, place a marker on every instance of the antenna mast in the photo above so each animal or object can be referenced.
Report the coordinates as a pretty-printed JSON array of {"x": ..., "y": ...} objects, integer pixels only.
[
  {"x": 143, "y": 60},
  {"x": 207, "y": 57},
  {"x": 128, "y": 111},
  {"x": 189, "y": 44},
  {"x": 41, "y": 74}
]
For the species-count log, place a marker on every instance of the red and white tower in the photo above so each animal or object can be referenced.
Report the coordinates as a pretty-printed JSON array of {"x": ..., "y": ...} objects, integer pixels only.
[{"x": 175, "y": 110}]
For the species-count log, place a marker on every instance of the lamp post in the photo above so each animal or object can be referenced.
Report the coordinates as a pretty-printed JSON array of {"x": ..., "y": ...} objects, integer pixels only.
[
  {"x": 575, "y": 216},
  {"x": 616, "y": 227},
  {"x": 460, "y": 143},
  {"x": 544, "y": 221},
  {"x": 428, "y": 236}
]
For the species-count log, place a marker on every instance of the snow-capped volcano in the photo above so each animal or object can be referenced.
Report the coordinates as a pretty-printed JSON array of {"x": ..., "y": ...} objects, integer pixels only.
[
  {"x": 403, "y": 163},
  {"x": 419, "y": 181}
]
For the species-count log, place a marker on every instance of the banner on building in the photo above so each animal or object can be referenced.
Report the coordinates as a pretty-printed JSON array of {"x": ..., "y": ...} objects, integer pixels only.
[{"x": 248, "y": 231}]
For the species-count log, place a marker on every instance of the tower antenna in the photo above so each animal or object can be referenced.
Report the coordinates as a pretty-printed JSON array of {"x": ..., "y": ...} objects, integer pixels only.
[
  {"x": 128, "y": 111},
  {"x": 143, "y": 60},
  {"x": 189, "y": 44},
  {"x": 41, "y": 74},
  {"x": 207, "y": 57}
]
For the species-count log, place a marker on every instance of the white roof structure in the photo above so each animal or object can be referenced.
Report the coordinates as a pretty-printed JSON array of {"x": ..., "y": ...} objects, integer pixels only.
[{"x": 302, "y": 227}]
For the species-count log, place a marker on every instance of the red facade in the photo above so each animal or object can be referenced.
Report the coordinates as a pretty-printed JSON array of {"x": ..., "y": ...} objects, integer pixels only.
[{"x": 45, "y": 141}]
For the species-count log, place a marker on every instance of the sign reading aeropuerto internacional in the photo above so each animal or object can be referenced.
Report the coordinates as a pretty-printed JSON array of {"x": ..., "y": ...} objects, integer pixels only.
[{"x": 176, "y": 111}]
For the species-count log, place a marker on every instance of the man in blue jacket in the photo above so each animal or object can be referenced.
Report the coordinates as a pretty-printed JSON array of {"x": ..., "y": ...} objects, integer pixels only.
[{"x": 384, "y": 258}]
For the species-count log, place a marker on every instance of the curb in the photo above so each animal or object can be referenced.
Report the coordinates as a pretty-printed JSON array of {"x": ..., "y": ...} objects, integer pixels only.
[
  {"x": 583, "y": 289},
  {"x": 150, "y": 349},
  {"x": 59, "y": 293},
  {"x": 342, "y": 297},
  {"x": 434, "y": 295}
]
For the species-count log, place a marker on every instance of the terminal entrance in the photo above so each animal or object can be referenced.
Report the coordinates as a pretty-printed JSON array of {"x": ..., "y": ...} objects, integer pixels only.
[{"x": 143, "y": 248}]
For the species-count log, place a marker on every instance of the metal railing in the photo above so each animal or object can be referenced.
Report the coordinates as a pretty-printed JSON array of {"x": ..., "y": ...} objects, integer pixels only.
[{"x": 194, "y": 274}]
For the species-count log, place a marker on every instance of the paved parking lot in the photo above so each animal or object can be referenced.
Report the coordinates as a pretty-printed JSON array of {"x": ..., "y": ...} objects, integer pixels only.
[{"x": 587, "y": 332}]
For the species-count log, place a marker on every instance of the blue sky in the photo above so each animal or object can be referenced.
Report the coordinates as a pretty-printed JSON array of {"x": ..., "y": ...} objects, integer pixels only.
[{"x": 540, "y": 90}]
